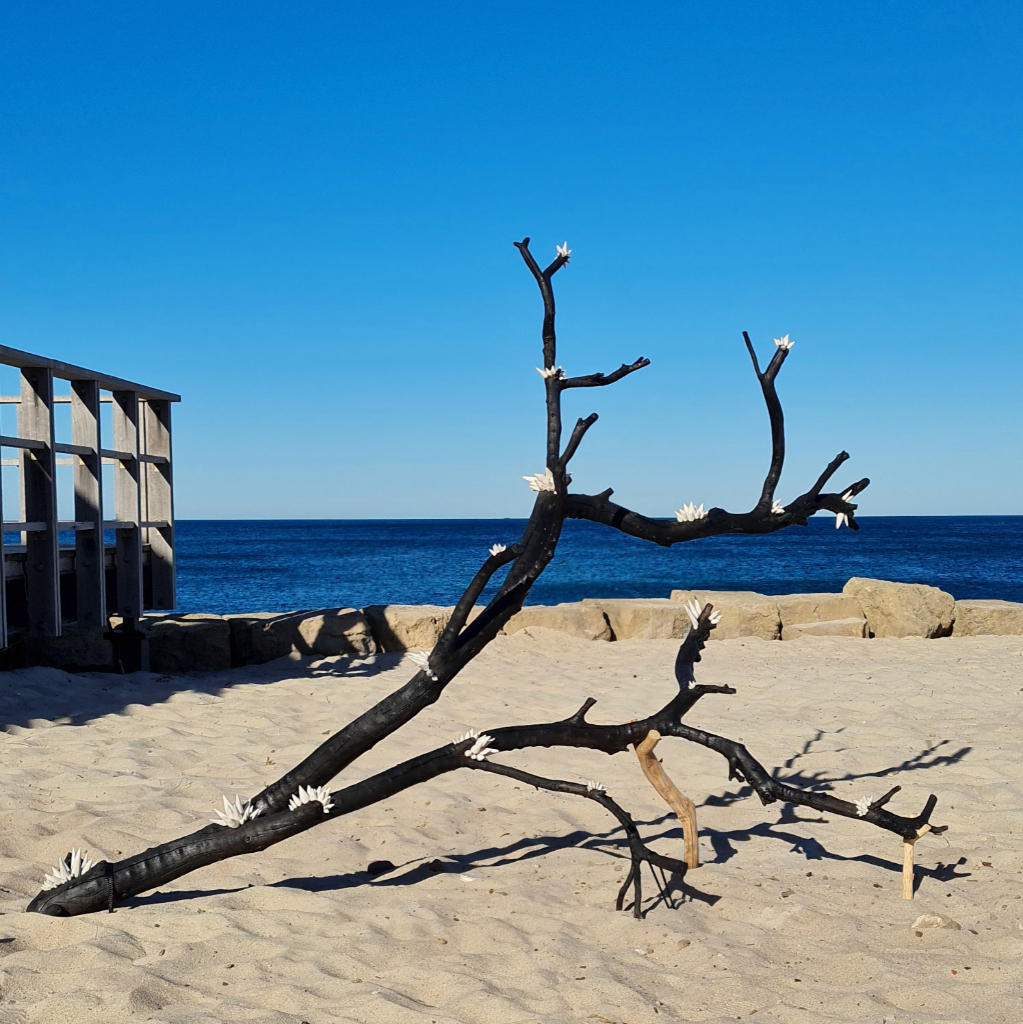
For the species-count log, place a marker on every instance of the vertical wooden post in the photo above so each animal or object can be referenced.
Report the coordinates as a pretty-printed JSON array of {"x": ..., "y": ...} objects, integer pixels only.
[
  {"x": 908, "y": 850},
  {"x": 90, "y": 552},
  {"x": 39, "y": 502},
  {"x": 127, "y": 505},
  {"x": 159, "y": 502}
]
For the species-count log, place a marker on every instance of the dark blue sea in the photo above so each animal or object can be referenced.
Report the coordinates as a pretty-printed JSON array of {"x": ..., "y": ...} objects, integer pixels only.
[{"x": 267, "y": 565}]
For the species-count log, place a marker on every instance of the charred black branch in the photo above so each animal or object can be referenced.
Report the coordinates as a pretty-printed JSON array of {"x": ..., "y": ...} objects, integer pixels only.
[{"x": 461, "y": 641}]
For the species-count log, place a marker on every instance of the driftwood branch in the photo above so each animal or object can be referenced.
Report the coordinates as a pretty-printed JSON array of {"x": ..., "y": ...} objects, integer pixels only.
[{"x": 269, "y": 819}]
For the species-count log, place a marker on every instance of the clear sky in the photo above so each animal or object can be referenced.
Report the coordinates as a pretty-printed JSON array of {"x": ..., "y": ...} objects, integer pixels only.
[{"x": 300, "y": 217}]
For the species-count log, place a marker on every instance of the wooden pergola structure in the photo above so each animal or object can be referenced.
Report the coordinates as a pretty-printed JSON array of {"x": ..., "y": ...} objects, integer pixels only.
[{"x": 107, "y": 579}]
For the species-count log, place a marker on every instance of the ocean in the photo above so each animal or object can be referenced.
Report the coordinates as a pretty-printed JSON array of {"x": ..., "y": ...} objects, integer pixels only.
[{"x": 279, "y": 565}]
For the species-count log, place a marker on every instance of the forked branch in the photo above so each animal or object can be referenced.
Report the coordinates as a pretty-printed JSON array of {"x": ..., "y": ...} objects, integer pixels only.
[{"x": 299, "y": 799}]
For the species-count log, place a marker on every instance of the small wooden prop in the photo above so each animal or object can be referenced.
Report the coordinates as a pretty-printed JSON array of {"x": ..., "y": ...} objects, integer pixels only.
[
  {"x": 683, "y": 807},
  {"x": 907, "y": 862}
]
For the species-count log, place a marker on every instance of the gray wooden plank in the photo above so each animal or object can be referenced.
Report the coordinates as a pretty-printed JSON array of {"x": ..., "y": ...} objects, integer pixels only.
[
  {"x": 159, "y": 502},
  {"x": 127, "y": 505},
  {"x": 39, "y": 502},
  {"x": 89, "y": 552}
]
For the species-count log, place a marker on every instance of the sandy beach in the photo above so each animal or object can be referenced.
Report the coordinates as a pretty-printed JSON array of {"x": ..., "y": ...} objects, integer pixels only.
[{"x": 790, "y": 918}]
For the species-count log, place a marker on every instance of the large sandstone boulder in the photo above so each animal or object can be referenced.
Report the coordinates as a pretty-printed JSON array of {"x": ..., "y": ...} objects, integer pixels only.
[
  {"x": 642, "y": 618},
  {"x": 262, "y": 637},
  {"x": 743, "y": 612},
  {"x": 404, "y": 627},
  {"x": 854, "y": 626},
  {"x": 902, "y": 609},
  {"x": 988, "y": 618},
  {"x": 584, "y": 620},
  {"x": 77, "y": 649},
  {"x": 189, "y": 643},
  {"x": 800, "y": 608}
]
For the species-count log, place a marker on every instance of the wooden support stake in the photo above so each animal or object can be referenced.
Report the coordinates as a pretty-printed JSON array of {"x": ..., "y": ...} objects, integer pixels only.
[
  {"x": 907, "y": 863},
  {"x": 683, "y": 807},
  {"x": 158, "y": 501}
]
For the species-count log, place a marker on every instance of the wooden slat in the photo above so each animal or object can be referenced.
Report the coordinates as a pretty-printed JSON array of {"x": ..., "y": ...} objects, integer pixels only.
[
  {"x": 39, "y": 501},
  {"x": 90, "y": 571},
  {"x": 158, "y": 507},
  {"x": 26, "y": 443},
  {"x": 68, "y": 371},
  {"x": 127, "y": 505},
  {"x": 57, "y": 399}
]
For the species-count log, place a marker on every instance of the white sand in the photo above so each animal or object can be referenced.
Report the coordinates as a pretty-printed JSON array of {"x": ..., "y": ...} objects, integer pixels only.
[{"x": 521, "y": 925}]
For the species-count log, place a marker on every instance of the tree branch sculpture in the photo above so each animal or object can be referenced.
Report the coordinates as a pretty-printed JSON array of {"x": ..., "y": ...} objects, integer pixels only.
[{"x": 299, "y": 800}]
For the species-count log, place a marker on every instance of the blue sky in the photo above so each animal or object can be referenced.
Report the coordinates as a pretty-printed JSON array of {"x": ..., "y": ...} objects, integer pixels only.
[{"x": 300, "y": 217}]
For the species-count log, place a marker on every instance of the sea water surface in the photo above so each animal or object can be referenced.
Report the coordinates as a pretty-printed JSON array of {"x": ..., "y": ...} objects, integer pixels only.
[{"x": 279, "y": 565}]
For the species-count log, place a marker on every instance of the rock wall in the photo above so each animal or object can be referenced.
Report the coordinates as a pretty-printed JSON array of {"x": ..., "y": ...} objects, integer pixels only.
[{"x": 176, "y": 644}]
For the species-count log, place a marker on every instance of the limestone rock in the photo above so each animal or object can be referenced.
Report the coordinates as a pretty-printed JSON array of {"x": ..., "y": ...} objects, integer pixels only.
[
  {"x": 403, "y": 627},
  {"x": 816, "y": 608},
  {"x": 642, "y": 618},
  {"x": 853, "y": 626},
  {"x": 988, "y": 618},
  {"x": 262, "y": 637},
  {"x": 902, "y": 609},
  {"x": 578, "y": 619},
  {"x": 189, "y": 643},
  {"x": 743, "y": 612},
  {"x": 77, "y": 649}
]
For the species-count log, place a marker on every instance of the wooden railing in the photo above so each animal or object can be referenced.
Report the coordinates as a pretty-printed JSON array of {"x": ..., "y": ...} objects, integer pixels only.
[{"x": 143, "y": 523}]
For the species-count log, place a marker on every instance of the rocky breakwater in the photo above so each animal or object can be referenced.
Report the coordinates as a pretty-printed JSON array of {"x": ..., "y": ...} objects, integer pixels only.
[{"x": 866, "y": 608}]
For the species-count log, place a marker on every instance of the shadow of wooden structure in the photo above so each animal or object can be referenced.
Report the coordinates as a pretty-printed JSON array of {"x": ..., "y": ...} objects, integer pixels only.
[{"x": 49, "y": 584}]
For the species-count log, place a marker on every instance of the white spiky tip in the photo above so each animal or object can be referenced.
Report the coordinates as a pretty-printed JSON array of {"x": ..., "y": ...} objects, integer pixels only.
[
  {"x": 479, "y": 751},
  {"x": 556, "y": 371},
  {"x": 689, "y": 513},
  {"x": 74, "y": 865},
  {"x": 595, "y": 787},
  {"x": 693, "y": 609},
  {"x": 784, "y": 343},
  {"x": 308, "y": 795},
  {"x": 840, "y": 518},
  {"x": 470, "y": 735},
  {"x": 777, "y": 508},
  {"x": 422, "y": 659},
  {"x": 541, "y": 481},
  {"x": 563, "y": 250},
  {"x": 863, "y": 805},
  {"x": 235, "y": 814},
  {"x": 496, "y": 549}
]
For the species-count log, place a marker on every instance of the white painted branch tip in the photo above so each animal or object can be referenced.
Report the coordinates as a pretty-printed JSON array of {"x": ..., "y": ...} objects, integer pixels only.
[
  {"x": 563, "y": 250},
  {"x": 470, "y": 735},
  {"x": 541, "y": 481},
  {"x": 496, "y": 549},
  {"x": 479, "y": 751},
  {"x": 715, "y": 618},
  {"x": 422, "y": 659},
  {"x": 308, "y": 795},
  {"x": 235, "y": 814},
  {"x": 840, "y": 518},
  {"x": 863, "y": 805},
  {"x": 689, "y": 513},
  {"x": 784, "y": 343},
  {"x": 556, "y": 371},
  {"x": 777, "y": 508},
  {"x": 693, "y": 611},
  {"x": 848, "y": 494},
  {"x": 74, "y": 865},
  {"x": 595, "y": 787}
]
